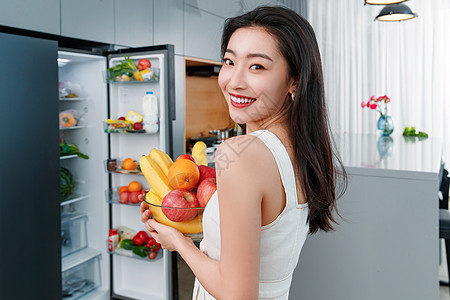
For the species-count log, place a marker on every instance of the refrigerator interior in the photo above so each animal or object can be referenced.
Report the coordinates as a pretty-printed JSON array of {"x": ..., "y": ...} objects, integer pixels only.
[
  {"x": 83, "y": 73},
  {"x": 133, "y": 278}
]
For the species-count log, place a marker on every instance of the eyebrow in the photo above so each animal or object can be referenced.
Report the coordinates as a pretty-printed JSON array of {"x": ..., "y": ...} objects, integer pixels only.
[{"x": 250, "y": 55}]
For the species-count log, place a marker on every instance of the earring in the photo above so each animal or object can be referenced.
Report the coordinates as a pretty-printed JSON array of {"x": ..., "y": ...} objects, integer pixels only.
[{"x": 293, "y": 96}]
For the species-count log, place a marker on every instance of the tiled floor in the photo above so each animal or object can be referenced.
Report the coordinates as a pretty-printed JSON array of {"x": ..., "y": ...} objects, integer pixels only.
[{"x": 186, "y": 279}]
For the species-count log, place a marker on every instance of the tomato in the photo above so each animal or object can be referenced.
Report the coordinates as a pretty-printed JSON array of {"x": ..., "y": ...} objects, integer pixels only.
[
  {"x": 144, "y": 64},
  {"x": 122, "y": 118},
  {"x": 137, "y": 126},
  {"x": 152, "y": 254}
]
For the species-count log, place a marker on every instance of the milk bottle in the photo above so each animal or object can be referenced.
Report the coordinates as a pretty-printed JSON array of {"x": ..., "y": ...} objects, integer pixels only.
[{"x": 150, "y": 113}]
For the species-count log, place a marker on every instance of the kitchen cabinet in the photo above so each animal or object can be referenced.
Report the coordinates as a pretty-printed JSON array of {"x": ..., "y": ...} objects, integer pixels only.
[
  {"x": 205, "y": 107},
  {"x": 202, "y": 33},
  {"x": 224, "y": 9},
  {"x": 133, "y": 22},
  {"x": 42, "y": 16},
  {"x": 88, "y": 19},
  {"x": 168, "y": 24}
]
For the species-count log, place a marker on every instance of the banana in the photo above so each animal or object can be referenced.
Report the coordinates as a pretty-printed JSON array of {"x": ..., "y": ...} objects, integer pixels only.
[
  {"x": 199, "y": 153},
  {"x": 167, "y": 157},
  {"x": 155, "y": 176},
  {"x": 192, "y": 226},
  {"x": 162, "y": 161}
]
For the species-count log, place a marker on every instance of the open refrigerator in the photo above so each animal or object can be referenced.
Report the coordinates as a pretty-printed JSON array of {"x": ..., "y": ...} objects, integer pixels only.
[{"x": 89, "y": 270}]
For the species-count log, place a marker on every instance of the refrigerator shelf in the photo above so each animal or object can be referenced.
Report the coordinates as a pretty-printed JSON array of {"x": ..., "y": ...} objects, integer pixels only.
[
  {"x": 68, "y": 156},
  {"x": 129, "y": 253},
  {"x": 71, "y": 99},
  {"x": 73, "y": 127},
  {"x": 74, "y": 198}
]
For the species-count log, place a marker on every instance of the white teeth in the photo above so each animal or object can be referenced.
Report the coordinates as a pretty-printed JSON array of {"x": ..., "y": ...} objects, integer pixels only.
[{"x": 241, "y": 100}]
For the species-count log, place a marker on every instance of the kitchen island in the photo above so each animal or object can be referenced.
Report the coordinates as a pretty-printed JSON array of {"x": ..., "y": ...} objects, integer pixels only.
[{"x": 386, "y": 243}]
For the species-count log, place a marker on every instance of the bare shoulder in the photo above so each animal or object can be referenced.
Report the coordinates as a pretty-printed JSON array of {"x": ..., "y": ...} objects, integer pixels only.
[{"x": 245, "y": 153}]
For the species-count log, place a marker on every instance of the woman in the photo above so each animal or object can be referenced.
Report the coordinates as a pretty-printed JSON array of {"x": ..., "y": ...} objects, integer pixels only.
[{"x": 276, "y": 184}]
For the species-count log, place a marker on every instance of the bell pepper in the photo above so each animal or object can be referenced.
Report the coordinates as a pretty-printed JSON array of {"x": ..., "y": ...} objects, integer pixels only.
[
  {"x": 153, "y": 245},
  {"x": 127, "y": 244},
  {"x": 142, "y": 251},
  {"x": 138, "y": 76},
  {"x": 140, "y": 238}
]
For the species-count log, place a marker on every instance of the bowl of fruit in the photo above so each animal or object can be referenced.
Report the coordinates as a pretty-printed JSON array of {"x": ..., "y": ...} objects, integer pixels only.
[{"x": 179, "y": 191}]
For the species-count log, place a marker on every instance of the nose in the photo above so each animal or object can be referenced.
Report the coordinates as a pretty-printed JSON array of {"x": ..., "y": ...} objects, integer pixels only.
[{"x": 238, "y": 78}]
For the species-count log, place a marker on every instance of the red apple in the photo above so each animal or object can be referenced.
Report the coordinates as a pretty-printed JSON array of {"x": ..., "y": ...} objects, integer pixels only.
[
  {"x": 206, "y": 172},
  {"x": 205, "y": 190},
  {"x": 121, "y": 119},
  {"x": 123, "y": 197},
  {"x": 180, "y": 199},
  {"x": 185, "y": 156},
  {"x": 133, "y": 197}
]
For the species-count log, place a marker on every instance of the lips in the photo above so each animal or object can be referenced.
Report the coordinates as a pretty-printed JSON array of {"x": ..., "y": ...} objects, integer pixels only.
[{"x": 239, "y": 101}]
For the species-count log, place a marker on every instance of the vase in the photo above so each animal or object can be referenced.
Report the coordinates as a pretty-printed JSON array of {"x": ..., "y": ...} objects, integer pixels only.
[
  {"x": 385, "y": 146},
  {"x": 385, "y": 125}
]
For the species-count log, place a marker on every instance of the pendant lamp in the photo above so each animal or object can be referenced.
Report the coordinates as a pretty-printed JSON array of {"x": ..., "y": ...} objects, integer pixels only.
[
  {"x": 382, "y": 2},
  {"x": 395, "y": 12}
]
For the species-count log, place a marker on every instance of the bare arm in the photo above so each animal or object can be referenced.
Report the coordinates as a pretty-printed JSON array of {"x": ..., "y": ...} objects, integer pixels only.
[{"x": 239, "y": 178}]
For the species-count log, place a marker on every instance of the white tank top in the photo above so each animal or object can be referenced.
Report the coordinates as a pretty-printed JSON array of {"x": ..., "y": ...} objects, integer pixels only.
[{"x": 281, "y": 240}]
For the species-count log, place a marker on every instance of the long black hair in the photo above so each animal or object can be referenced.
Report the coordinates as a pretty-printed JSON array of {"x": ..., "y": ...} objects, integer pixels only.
[{"x": 317, "y": 166}]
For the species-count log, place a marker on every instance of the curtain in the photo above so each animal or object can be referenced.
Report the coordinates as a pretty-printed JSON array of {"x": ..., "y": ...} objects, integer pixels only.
[{"x": 409, "y": 61}]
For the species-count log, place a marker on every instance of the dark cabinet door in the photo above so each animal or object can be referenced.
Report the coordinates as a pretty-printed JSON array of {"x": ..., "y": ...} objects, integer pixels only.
[{"x": 30, "y": 248}]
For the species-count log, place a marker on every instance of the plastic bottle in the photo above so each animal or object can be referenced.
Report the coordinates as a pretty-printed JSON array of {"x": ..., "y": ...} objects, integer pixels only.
[
  {"x": 113, "y": 239},
  {"x": 150, "y": 113}
]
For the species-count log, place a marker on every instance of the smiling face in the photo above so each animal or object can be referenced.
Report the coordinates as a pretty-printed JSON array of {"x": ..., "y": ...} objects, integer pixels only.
[{"x": 254, "y": 77}]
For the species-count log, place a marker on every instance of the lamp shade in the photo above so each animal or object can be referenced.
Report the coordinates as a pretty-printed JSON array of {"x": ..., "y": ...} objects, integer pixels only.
[
  {"x": 395, "y": 12},
  {"x": 383, "y": 2}
]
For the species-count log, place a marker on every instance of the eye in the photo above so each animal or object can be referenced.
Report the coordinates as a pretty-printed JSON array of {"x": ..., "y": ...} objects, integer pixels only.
[
  {"x": 228, "y": 61},
  {"x": 256, "y": 67}
]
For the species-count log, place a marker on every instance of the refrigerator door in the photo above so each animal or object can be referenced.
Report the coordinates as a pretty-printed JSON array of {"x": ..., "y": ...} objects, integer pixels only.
[
  {"x": 134, "y": 278},
  {"x": 29, "y": 169}
]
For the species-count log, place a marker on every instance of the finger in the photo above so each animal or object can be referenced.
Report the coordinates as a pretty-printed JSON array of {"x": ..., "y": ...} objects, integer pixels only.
[
  {"x": 149, "y": 228},
  {"x": 143, "y": 207},
  {"x": 145, "y": 216}
]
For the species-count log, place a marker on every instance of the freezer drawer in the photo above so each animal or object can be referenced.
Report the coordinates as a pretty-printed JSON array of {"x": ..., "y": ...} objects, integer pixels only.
[
  {"x": 73, "y": 233},
  {"x": 81, "y": 273}
]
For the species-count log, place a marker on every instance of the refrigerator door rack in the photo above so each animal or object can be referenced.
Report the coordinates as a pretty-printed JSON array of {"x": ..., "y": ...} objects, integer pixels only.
[
  {"x": 138, "y": 76},
  {"x": 73, "y": 127},
  {"x": 114, "y": 166},
  {"x": 68, "y": 156},
  {"x": 112, "y": 197},
  {"x": 130, "y": 254}
]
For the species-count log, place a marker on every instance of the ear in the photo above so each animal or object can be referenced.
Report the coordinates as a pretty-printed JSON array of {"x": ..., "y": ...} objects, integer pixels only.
[{"x": 293, "y": 87}]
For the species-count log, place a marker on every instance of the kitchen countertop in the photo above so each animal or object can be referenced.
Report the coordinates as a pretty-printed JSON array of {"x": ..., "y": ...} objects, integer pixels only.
[{"x": 396, "y": 155}]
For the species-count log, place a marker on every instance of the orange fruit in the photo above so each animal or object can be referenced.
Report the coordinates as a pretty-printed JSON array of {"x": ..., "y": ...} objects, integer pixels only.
[
  {"x": 183, "y": 174},
  {"x": 123, "y": 189},
  {"x": 134, "y": 186},
  {"x": 129, "y": 164}
]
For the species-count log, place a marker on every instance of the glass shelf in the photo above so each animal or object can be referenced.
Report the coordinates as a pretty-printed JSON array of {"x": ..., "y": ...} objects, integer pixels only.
[
  {"x": 129, "y": 253},
  {"x": 68, "y": 156},
  {"x": 73, "y": 127},
  {"x": 71, "y": 99},
  {"x": 74, "y": 198}
]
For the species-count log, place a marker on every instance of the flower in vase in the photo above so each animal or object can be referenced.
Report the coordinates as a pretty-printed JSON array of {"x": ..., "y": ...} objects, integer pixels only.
[{"x": 378, "y": 103}]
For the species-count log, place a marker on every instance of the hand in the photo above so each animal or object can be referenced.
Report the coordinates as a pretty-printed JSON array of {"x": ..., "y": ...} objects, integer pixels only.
[
  {"x": 167, "y": 236},
  {"x": 145, "y": 212}
]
